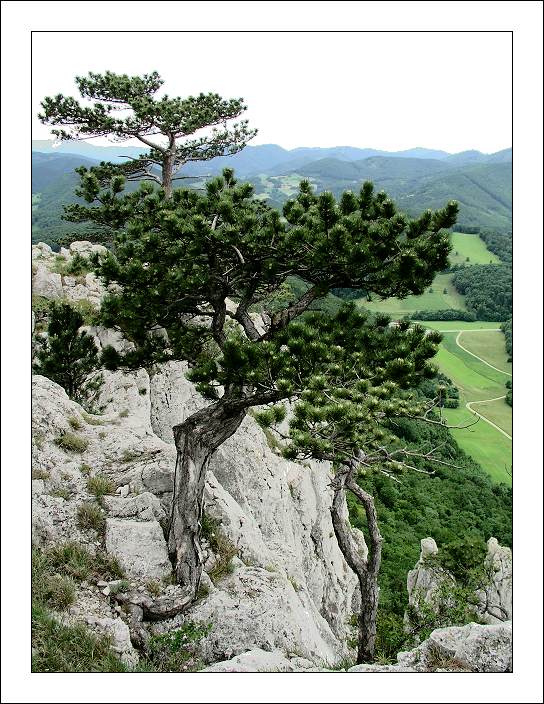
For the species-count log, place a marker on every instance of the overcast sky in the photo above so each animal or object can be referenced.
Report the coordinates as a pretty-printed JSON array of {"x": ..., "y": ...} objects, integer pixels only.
[{"x": 388, "y": 91}]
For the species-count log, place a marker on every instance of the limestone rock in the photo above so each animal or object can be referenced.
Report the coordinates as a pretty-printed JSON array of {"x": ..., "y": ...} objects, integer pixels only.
[
  {"x": 87, "y": 248},
  {"x": 119, "y": 633},
  {"x": 474, "y": 648},
  {"x": 496, "y": 597},
  {"x": 258, "y": 660},
  {"x": 259, "y": 608},
  {"x": 46, "y": 283},
  {"x": 144, "y": 507},
  {"x": 427, "y": 578},
  {"x": 276, "y": 513},
  {"x": 139, "y": 546}
]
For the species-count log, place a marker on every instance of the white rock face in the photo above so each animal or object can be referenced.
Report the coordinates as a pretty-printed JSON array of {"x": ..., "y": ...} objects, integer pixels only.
[
  {"x": 295, "y": 593},
  {"x": 139, "y": 546},
  {"x": 474, "y": 647},
  {"x": 46, "y": 283},
  {"x": 58, "y": 287},
  {"x": 496, "y": 598},
  {"x": 258, "y": 660},
  {"x": 87, "y": 248},
  {"x": 119, "y": 633},
  {"x": 425, "y": 581}
]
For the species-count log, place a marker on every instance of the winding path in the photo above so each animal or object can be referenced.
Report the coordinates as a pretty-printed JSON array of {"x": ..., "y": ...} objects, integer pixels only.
[
  {"x": 475, "y": 355},
  {"x": 487, "y": 400}
]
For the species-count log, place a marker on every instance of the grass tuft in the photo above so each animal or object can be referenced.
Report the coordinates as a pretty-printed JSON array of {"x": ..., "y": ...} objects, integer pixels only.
[
  {"x": 72, "y": 442},
  {"x": 99, "y": 485},
  {"x": 91, "y": 517}
]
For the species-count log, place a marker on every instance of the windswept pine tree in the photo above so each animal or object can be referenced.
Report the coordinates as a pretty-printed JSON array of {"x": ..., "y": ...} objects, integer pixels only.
[
  {"x": 178, "y": 261},
  {"x": 174, "y": 131}
]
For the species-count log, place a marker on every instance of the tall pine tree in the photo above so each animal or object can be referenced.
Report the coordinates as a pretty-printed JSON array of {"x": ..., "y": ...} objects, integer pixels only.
[{"x": 174, "y": 131}]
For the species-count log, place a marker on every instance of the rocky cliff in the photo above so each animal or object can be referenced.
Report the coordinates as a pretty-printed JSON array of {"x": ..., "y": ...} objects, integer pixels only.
[{"x": 276, "y": 592}]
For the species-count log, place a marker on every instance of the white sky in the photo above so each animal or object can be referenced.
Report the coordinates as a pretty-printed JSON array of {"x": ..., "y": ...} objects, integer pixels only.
[{"x": 392, "y": 91}]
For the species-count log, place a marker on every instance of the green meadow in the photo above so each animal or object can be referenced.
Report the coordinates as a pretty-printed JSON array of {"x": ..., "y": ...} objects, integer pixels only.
[
  {"x": 476, "y": 383},
  {"x": 470, "y": 246},
  {"x": 441, "y": 295}
]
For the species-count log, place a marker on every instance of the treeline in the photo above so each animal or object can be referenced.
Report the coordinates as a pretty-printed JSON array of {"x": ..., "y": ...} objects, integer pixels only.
[
  {"x": 487, "y": 289},
  {"x": 506, "y": 327},
  {"x": 447, "y": 314},
  {"x": 500, "y": 243}
]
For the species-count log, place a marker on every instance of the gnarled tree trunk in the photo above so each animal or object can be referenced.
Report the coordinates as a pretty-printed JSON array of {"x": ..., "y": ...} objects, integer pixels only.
[
  {"x": 366, "y": 569},
  {"x": 196, "y": 440}
]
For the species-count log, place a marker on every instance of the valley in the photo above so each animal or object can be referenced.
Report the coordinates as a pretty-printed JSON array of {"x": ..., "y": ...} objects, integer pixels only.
[{"x": 481, "y": 390}]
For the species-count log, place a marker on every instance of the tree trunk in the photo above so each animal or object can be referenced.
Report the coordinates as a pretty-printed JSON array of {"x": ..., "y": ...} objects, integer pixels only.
[
  {"x": 196, "y": 440},
  {"x": 167, "y": 174},
  {"x": 366, "y": 569}
]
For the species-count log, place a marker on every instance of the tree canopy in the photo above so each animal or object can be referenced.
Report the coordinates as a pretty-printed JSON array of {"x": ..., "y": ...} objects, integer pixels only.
[{"x": 174, "y": 130}]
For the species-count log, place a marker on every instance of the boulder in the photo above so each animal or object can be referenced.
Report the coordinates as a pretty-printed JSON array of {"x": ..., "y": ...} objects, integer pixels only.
[
  {"x": 46, "y": 283},
  {"x": 259, "y": 660},
  {"x": 473, "y": 648},
  {"x": 139, "y": 546},
  {"x": 259, "y": 608},
  {"x": 86, "y": 248}
]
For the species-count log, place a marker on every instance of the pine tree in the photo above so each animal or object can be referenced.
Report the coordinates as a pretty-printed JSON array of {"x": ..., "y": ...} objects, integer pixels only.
[
  {"x": 175, "y": 131},
  {"x": 67, "y": 356},
  {"x": 178, "y": 261},
  {"x": 365, "y": 369}
]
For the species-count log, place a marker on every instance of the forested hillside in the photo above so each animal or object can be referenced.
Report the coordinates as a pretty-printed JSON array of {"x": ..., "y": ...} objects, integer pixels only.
[{"x": 417, "y": 178}]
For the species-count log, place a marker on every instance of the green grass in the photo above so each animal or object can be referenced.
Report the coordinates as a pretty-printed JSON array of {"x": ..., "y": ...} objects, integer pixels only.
[
  {"x": 90, "y": 516},
  {"x": 466, "y": 246},
  {"x": 489, "y": 346},
  {"x": 59, "y": 648},
  {"x": 435, "y": 300},
  {"x": 99, "y": 485},
  {"x": 477, "y": 382},
  {"x": 445, "y": 325},
  {"x": 72, "y": 442},
  {"x": 470, "y": 246}
]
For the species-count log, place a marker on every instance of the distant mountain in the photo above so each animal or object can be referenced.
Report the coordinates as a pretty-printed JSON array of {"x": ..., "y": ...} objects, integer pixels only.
[
  {"x": 264, "y": 158},
  {"x": 480, "y": 182},
  {"x": 49, "y": 168}
]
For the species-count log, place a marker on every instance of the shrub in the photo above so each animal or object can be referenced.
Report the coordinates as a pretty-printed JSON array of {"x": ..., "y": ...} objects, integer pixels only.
[
  {"x": 221, "y": 546},
  {"x": 176, "y": 651},
  {"x": 91, "y": 516},
  {"x": 72, "y": 442},
  {"x": 40, "y": 474},
  {"x": 85, "y": 469},
  {"x": 67, "y": 356},
  {"x": 99, "y": 485}
]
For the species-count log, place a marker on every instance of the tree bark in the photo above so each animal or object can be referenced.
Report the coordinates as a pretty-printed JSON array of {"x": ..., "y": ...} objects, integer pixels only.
[
  {"x": 366, "y": 569},
  {"x": 167, "y": 173},
  {"x": 196, "y": 440}
]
